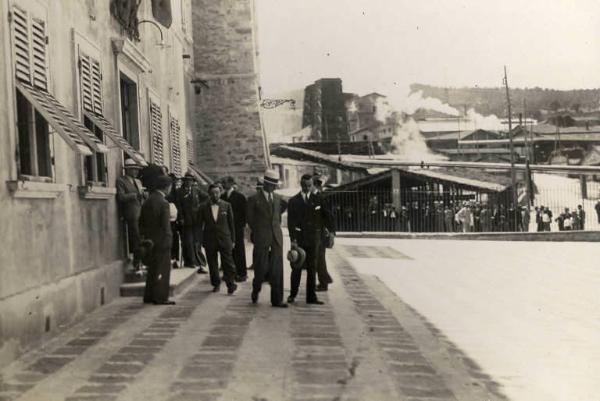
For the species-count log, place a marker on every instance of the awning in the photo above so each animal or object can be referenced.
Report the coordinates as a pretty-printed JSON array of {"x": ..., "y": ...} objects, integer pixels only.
[
  {"x": 121, "y": 142},
  {"x": 199, "y": 175},
  {"x": 68, "y": 127}
]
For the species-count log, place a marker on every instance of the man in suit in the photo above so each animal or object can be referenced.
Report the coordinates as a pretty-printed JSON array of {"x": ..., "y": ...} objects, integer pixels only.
[
  {"x": 238, "y": 205},
  {"x": 155, "y": 225},
  {"x": 264, "y": 211},
  {"x": 322, "y": 273},
  {"x": 215, "y": 217},
  {"x": 189, "y": 200},
  {"x": 306, "y": 222},
  {"x": 130, "y": 198}
]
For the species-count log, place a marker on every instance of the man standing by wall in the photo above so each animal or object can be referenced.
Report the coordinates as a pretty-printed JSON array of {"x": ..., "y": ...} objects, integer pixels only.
[
  {"x": 238, "y": 204},
  {"x": 322, "y": 273},
  {"x": 155, "y": 225},
  {"x": 306, "y": 222},
  {"x": 216, "y": 219},
  {"x": 264, "y": 211},
  {"x": 130, "y": 197}
]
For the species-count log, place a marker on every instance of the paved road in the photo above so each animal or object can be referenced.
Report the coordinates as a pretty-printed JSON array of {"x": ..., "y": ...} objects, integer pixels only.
[
  {"x": 527, "y": 313},
  {"x": 363, "y": 344}
]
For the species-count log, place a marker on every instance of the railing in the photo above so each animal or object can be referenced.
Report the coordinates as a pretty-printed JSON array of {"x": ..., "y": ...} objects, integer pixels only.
[{"x": 429, "y": 211}]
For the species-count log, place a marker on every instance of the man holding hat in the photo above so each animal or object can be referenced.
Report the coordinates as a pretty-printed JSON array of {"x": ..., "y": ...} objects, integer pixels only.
[
  {"x": 238, "y": 204},
  {"x": 155, "y": 226},
  {"x": 306, "y": 223},
  {"x": 264, "y": 211},
  {"x": 130, "y": 198}
]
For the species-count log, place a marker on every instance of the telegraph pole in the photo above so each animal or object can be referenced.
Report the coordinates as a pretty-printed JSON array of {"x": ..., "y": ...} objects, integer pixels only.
[{"x": 513, "y": 177}]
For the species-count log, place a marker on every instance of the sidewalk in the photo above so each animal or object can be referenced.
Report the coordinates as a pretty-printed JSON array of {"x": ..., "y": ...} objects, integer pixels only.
[{"x": 363, "y": 344}]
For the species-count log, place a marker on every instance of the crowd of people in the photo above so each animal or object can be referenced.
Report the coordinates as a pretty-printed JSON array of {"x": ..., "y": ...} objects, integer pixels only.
[
  {"x": 439, "y": 216},
  {"x": 162, "y": 211}
]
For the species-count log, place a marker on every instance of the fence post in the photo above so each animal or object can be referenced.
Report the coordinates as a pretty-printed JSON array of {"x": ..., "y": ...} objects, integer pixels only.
[
  {"x": 396, "y": 193},
  {"x": 583, "y": 181}
]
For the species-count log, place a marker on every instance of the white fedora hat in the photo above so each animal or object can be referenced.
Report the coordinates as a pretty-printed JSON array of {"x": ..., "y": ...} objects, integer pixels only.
[{"x": 271, "y": 177}]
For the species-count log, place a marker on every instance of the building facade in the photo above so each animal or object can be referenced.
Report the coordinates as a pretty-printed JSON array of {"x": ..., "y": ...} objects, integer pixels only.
[
  {"x": 229, "y": 137},
  {"x": 84, "y": 85},
  {"x": 325, "y": 111}
]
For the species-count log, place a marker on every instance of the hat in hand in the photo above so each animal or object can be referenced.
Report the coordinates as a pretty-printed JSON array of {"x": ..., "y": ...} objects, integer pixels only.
[{"x": 296, "y": 256}]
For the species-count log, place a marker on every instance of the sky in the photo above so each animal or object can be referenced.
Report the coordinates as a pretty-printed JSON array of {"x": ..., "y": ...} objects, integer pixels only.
[{"x": 384, "y": 45}]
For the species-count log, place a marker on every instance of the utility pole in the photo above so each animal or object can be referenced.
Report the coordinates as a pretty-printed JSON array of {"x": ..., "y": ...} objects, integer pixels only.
[{"x": 513, "y": 177}]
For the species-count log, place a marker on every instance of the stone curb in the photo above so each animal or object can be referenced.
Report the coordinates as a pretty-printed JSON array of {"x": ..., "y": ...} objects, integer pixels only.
[{"x": 559, "y": 236}]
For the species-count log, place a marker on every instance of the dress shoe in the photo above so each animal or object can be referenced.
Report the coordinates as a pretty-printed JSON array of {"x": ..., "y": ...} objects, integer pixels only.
[
  {"x": 241, "y": 279},
  {"x": 217, "y": 288},
  {"x": 281, "y": 305},
  {"x": 231, "y": 289},
  {"x": 175, "y": 265},
  {"x": 254, "y": 297},
  {"x": 201, "y": 270},
  {"x": 165, "y": 303},
  {"x": 291, "y": 299},
  {"x": 315, "y": 302}
]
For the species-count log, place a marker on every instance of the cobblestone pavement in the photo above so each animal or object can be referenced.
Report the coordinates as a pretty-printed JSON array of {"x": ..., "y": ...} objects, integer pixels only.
[{"x": 363, "y": 344}]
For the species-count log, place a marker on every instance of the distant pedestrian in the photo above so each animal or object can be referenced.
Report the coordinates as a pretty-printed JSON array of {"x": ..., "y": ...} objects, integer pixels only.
[
  {"x": 218, "y": 237},
  {"x": 323, "y": 276},
  {"x": 155, "y": 226},
  {"x": 546, "y": 219},
  {"x": 485, "y": 219},
  {"x": 581, "y": 215},
  {"x": 538, "y": 218}
]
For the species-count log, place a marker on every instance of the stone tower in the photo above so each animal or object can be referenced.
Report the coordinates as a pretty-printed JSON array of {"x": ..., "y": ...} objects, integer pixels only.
[{"x": 228, "y": 136}]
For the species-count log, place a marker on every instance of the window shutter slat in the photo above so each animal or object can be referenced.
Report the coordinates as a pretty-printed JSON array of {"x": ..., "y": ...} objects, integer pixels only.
[
  {"x": 21, "y": 50},
  {"x": 175, "y": 147},
  {"x": 96, "y": 78},
  {"x": 86, "y": 83},
  {"x": 39, "y": 54},
  {"x": 157, "y": 137}
]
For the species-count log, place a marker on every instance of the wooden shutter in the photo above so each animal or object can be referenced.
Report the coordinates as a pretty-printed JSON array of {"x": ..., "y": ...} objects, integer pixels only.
[
  {"x": 21, "y": 52},
  {"x": 38, "y": 54},
  {"x": 29, "y": 49},
  {"x": 190, "y": 150},
  {"x": 156, "y": 129},
  {"x": 91, "y": 83},
  {"x": 175, "y": 146}
]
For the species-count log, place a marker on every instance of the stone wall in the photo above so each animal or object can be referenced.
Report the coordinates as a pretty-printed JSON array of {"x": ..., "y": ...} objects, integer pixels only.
[{"x": 227, "y": 129}]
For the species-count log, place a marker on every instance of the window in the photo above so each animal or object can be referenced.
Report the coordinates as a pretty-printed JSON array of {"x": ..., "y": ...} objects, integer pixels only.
[
  {"x": 90, "y": 79},
  {"x": 175, "y": 131},
  {"x": 34, "y": 140},
  {"x": 29, "y": 50},
  {"x": 189, "y": 146},
  {"x": 95, "y": 165},
  {"x": 129, "y": 115}
]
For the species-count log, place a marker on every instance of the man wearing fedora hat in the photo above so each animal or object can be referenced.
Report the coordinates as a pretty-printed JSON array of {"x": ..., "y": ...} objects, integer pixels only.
[
  {"x": 130, "y": 197},
  {"x": 155, "y": 225},
  {"x": 238, "y": 204},
  {"x": 264, "y": 211}
]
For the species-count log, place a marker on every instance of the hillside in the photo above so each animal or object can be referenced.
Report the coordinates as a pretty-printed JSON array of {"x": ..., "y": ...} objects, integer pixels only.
[{"x": 540, "y": 101}]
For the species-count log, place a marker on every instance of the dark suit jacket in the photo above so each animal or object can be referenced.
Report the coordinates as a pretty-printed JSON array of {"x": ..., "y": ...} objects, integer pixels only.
[
  {"x": 306, "y": 221},
  {"x": 129, "y": 196},
  {"x": 188, "y": 203},
  {"x": 217, "y": 233},
  {"x": 264, "y": 219},
  {"x": 238, "y": 205},
  {"x": 154, "y": 221}
]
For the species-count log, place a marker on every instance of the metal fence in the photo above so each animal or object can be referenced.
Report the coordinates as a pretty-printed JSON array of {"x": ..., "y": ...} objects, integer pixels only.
[{"x": 429, "y": 211}]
